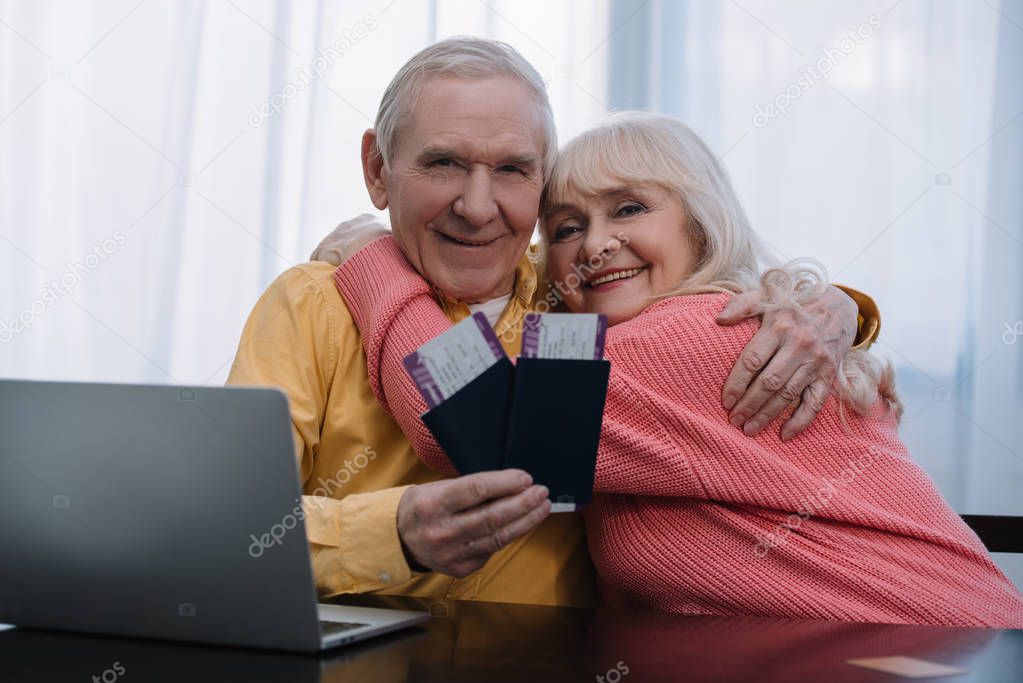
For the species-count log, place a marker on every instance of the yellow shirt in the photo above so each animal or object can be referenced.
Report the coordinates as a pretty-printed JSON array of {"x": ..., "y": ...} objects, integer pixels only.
[{"x": 355, "y": 463}]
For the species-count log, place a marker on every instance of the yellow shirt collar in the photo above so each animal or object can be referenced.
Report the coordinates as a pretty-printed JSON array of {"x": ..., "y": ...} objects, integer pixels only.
[{"x": 509, "y": 324}]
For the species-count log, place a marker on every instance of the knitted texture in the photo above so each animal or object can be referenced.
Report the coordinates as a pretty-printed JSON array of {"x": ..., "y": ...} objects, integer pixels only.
[
  {"x": 693, "y": 516},
  {"x": 376, "y": 284}
]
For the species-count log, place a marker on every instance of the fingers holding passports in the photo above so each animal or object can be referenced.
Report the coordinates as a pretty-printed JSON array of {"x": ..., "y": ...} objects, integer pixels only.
[{"x": 453, "y": 526}]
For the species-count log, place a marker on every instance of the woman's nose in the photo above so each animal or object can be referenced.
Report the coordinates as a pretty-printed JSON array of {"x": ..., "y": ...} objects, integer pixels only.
[{"x": 599, "y": 242}]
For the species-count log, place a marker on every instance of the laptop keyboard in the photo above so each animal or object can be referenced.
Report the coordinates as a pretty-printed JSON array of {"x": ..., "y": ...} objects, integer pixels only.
[{"x": 329, "y": 628}]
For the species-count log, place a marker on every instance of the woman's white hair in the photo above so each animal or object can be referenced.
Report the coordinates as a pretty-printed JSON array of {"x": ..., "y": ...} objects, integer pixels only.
[
  {"x": 642, "y": 148},
  {"x": 462, "y": 57}
]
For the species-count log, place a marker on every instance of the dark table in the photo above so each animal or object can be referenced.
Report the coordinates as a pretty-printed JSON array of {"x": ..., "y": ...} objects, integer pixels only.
[{"x": 473, "y": 641}]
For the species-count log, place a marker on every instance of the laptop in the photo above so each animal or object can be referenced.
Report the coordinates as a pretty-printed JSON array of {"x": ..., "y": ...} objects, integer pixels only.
[{"x": 163, "y": 512}]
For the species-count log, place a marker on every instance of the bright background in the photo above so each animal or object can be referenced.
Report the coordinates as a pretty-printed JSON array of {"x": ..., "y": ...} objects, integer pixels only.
[{"x": 902, "y": 171}]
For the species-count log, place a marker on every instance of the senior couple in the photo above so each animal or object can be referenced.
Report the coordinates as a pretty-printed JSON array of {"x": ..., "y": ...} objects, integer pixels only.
[{"x": 705, "y": 503}]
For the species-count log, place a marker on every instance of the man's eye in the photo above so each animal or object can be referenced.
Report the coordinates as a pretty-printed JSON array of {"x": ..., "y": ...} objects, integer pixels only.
[
  {"x": 444, "y": 163},
  {"x": 510, "y": 168},
  {"x": 630, "y": 209}
]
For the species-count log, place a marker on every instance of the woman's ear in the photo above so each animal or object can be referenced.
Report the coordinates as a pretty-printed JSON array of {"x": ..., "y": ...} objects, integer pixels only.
[{"x": 373, "y": 169}]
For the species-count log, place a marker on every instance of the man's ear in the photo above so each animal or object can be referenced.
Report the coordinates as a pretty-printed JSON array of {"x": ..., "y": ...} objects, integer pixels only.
[{"x": 373, "y": 169}]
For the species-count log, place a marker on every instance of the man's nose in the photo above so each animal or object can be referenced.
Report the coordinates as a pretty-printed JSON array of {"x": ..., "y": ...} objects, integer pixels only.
[{"x": 477, "y": 204}]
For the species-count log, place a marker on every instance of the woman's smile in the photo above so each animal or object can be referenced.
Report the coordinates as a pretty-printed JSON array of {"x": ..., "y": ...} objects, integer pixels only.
[{"x": 608, "y": 279}]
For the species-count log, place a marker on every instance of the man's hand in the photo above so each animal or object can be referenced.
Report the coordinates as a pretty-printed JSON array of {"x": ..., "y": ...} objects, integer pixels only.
[
  {"x": 794, "y": 357},
  {"x": 347, "y": 238},
  {"x": 453, "y": 526}
]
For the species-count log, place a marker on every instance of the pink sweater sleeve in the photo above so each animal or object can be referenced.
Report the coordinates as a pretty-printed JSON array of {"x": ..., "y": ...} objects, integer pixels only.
[
  {"x": 384, "y": 293},
  {"x": 397, "y": 313}
]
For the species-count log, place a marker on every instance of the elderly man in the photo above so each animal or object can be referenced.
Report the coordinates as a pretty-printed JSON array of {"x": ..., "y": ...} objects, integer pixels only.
[{"x": 462, "y": 139}]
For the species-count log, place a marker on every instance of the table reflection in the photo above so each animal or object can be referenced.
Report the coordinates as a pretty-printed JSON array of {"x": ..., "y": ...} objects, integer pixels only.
[{"x": 470, "y": 641}]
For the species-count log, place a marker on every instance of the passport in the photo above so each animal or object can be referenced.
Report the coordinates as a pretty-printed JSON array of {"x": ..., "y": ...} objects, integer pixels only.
[{"x": 542, "y": 415}]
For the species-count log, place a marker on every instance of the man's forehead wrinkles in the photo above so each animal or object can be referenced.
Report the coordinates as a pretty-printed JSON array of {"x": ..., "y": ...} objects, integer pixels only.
[
  {"x": 504, "y": 144},
  {"x": 454, "y": 134},
  {"x": 496, "y": 125}
]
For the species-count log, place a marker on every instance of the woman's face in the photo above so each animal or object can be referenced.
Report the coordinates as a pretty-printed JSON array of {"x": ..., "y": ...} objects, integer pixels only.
[{"x": 616, "y": 252}]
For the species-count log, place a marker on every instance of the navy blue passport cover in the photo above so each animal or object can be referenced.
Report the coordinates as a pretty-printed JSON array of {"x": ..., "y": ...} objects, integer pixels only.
[
  {"x": 557, "y": 409},
  {"x": 470, "y": 425}
]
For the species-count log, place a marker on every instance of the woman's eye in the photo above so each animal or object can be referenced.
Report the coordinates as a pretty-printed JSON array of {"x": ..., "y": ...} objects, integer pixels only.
[
  {"x": 630, "y": 209},
  {"x": 565, "y": 232}
]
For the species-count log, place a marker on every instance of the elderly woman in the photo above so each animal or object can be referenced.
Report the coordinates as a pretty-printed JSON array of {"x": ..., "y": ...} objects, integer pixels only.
[{"x": 691, "y": 514}]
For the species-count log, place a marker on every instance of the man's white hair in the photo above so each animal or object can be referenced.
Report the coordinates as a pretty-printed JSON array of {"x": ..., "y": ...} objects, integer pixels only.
[{"x": 462, "y": 57}]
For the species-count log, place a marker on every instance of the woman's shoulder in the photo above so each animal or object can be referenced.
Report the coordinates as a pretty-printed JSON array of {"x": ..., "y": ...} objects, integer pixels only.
[
  {"x": 709, "y": 303},
  {"x": 693, "y": 312},
  {"x": 685, "y": 326}
]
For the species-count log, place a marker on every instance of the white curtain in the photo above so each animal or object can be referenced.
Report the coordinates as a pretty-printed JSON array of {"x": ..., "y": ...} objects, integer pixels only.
[
  {"x": 900, "y": 168},
  {"x": 993, "y": 455},
  {"x": 211, "y": 144},
  {"x": 139, "y": 165}
]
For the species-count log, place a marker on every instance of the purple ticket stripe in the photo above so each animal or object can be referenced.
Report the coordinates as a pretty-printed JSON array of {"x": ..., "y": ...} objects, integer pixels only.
[
  {"x": 488, "y": 334},
  {"x": 530, "y": 336},
  {"x": 425, "y": 383},
  {"x": 598, "y": 347}
]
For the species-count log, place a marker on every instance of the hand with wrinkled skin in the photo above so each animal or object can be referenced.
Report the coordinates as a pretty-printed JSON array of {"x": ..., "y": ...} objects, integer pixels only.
[
  {"x": 347, "y": 238},
  {"x": 453, "y": 526},
  {"x": 794, "y": 357}
]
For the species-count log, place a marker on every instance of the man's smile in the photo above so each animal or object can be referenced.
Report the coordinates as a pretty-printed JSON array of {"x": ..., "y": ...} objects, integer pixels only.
[{"x": 465, "y": 242}]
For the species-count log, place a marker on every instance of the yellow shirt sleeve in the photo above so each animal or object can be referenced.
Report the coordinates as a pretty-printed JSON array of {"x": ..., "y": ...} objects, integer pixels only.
[
  {"x": 290, "y": 342},
  {"x": 354, "y": 541},
  {"x": 868, "y": 319}
]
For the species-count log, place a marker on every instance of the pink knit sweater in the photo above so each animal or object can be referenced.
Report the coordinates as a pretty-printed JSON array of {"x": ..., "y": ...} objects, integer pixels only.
[{"x": 693, "y": 516}]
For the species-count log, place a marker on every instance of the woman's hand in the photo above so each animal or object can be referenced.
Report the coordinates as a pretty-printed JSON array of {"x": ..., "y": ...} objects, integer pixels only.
[
  {"x": 793, "y": 358},
  {"x": 347, "y": 238}
]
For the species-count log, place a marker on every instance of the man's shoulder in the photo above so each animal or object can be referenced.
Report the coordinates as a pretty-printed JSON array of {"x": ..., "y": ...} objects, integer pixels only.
[
  {"x": 311, "y": 280},
  {"x": 308, "y": 288},
  {"x": 311, "y": 276}
]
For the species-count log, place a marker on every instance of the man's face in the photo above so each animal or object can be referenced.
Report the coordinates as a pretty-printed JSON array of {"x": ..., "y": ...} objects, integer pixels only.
[{"x": 464, "y": 186}]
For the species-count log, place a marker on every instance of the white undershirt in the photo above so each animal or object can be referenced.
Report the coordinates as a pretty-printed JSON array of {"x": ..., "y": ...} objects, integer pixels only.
[{"x": 491, "y": 309}]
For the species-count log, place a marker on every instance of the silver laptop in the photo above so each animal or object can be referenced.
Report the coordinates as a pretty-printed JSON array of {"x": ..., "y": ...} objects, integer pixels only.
[{"x": 161, "y": 512}]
